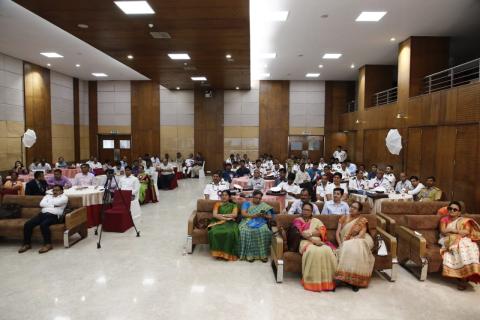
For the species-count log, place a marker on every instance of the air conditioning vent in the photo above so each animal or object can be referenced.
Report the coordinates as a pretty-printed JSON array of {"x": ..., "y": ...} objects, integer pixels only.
[{"x": 160, "y": 35}]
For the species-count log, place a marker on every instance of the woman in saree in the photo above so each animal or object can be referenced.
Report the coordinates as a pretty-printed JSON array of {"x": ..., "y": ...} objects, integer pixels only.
[
  {"x": 255, "y": 236},
  {"x": 223, "y": 235},
  {"x": 459, "y": 238},
  {"x": 355, "y": 258},
  {"x": 318, "y": 259},
  {"x": 147, "y": 191},
  {"x": 14, "y": 184}
]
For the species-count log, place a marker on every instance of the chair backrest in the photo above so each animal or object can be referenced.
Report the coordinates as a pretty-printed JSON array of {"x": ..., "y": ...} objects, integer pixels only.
[{"x": 122, "y": 198}]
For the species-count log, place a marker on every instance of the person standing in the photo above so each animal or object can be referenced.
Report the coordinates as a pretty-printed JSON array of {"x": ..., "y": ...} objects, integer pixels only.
[{"x": 129, "y": 182}]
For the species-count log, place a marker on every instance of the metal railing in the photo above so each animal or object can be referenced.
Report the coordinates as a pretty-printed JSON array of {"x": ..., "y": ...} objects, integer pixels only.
[
  {"x": 464, "y": 73},
  {"x": 351, "y": 106},
  {"x": 385, "y": 96}
]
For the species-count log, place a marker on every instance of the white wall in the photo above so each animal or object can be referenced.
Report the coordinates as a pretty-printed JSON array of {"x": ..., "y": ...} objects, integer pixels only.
[
  {"x": 307, "y": 104},
  {"x": 11, "y": 89},
  {"x": 83, "y": 102},
  {"x": 61, "y": 95},
  {"x": 114, "y": 106}
]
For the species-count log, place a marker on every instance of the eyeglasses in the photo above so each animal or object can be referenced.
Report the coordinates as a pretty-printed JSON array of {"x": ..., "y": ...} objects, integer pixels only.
[
  {"x": 453, "y": 209},
  {"x": 307, "y": 210}
]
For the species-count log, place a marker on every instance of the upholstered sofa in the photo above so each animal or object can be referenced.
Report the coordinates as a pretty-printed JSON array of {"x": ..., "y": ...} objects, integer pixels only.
[
  {"x": 75, "y": 221},
  {"x": 418, "y": 248},
  {"x": 198, "y": 234},
  {"x": 288, "y": 261}
]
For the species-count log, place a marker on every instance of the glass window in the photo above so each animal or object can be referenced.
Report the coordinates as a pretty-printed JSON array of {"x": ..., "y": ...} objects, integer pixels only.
[
  {"x": 296, "y": 145},
  {"x": 124, "y": 144},
  {"x": 314, "y": 143},
  {"x": 108, "y": 144}
]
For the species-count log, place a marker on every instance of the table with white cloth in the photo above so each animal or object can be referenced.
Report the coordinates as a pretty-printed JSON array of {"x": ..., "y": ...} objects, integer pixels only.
[
  {"x": 243, "y": 182},
  {"x": 376, "y": 204},
  {"x": 92, "y": 198}
]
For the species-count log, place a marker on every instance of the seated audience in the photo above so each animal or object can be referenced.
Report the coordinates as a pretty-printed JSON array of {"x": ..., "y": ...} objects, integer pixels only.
[
  {"x": 124, "y": 162},
  {"x": 355, "y": 245},
  {"x": 322, "y": 163},
  {"x": 107, "y": 165},
  {"x": 231, "y": 159},
  {"x": 110, "y": 182},
  {"x": 118, "y": 169},
  {"x": 228, "y": 174},
  {"x": 365, "y": 173},
  {"x": 327, "y": 170},
  {"x": 403, "y": 185},
  {"x": 351, "y": 167},
  {"x": 243, "y": 170},
  {"x": 344, "y": 171},
  {"x": 129, "y": 182},
  {"x": 37, "y": 186},
  {"x": 321, "y": 188},
  {"x": 61, "y": 164},
  {"x": 336, "y": 166},
  {"x": 167, "y": 174},
  {"x": 135, "y": 167},
  {"x": 373, "y": 172},
  {"x": 380, "y": 182},
  {"x": 19, "y": 168},
  {"x": 337, "y": 205},
  {"x": 198, "y": 165},
  {"x": 58, "y": 179},
  {"x": 430, "y": 192},
  {"x": 282, "y": 177},
  {"x": 223, "y": 234},
  {"x": 167, "y": 157},
  {"x": 390, "y": 176},
  {"x": 188, "y": 165},
  {"x": 53, "y": 207},
  {"x": 337, "y": 183},
  {"x": 358, "y": 182},
  {"x": 417, "y": 187},
  {"x": 179, "y": 160},
  {"x": 314, "y": 172},
  {"x": 459, "y": 237},
  {"x": 84, "y": 178},
  {"x": 13, "y": 183},
  {"x": 318, "y": 259},
  {"x": 212, "y": 190},
  {"x": 340, "y": 155},
  {"x": 292, "y": 189},
  {"x": 235, "y": 166},
  {"x": 258, "y": 166},
  {"x": 41, "y": 165},
  {"x": 255, "y": 236},
  {"x": 302, "y": 176},
  {"x": 147, "y": 189},
  {"x": 256, "y": 182},
  {"x": 297, "y": 205}
]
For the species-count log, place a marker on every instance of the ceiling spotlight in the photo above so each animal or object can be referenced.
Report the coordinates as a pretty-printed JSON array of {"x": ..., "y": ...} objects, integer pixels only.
[
  {"x": 320, "y": 66},
  {"x": 130, "y": 57},
  {"x": 51, "y": 54},
  {"x": 99, "y": 74},
  {"x": 178, "y": 88},
  {"x": 392, "y": 39},
  {"x": 228, "y": 56},
  {"x": 77, "y": 65},
  {"x": 134, "y": 7},
  {"x": 49, "y": 65},
  {"x": 370, "y": 16},
  {"x": 352, "y": 66},
  {"x": 179, "y": 56},
  {"x": 82, "y": 25},
  {"x": 237, "y": 88},
  {"x": 312, "y": 75},
  {"x": 332, "y": 55}
]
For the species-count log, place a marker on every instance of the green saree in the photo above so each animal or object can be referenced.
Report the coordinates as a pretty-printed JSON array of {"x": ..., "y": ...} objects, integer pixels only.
[{"x": 223, "y": 236}]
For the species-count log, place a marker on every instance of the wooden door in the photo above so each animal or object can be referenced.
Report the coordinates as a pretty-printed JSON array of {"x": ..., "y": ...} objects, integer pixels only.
[{"x": 114, "y": 147}]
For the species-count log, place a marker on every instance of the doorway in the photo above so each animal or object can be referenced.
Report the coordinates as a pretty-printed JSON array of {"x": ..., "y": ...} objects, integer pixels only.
[
  {"x": 114, "y": 147},
  {"x": 306, "y": 146}
]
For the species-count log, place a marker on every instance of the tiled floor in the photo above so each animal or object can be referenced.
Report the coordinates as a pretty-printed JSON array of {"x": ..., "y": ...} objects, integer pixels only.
[{"x": 152, "y": 278}]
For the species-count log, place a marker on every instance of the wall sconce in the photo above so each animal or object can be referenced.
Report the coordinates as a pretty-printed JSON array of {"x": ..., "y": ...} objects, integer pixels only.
[
  {"x": 357, "y": 121},
  {"x": 401, "y": 115}
]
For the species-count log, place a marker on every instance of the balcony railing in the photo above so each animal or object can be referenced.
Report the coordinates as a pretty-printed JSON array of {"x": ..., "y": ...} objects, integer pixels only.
[
  {"x": 385, "y": 97},
  {"x": 464, "y": 73},
  {"x": 351, "y": 106}
]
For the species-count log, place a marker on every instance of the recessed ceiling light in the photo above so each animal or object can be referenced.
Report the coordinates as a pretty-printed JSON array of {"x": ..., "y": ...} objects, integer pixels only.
[
  {"x": 130, "y": 57},
  {"x": 49, "y": 65},
  {"x": 332, "y": 55},
  {"x": 320, "y": 66},
  {"x": 237, "y": 88},
  {"x": 272, "y": 55},
  {"x": 392, "y": 39},
  {"x": 178, "y": 88},
  {"x": 371, "y": 16},
  {"x": 51, "y": 54},
  {"x": 77, "y": 65},
  {"x": 179, "y": 56},
  {"x": 135, "y": 7},
  {"x": 352, "y": 66},
  {"x": 324, "y": 16},
  {"x": 99, "y": 74},
  {"x": 279, "y": 16},
  {"x": 82, "y": 25},
  {"x": 312, "y": 75},
  {"x": 199, "y": 78},
  {"x": 228, "y": 56}
]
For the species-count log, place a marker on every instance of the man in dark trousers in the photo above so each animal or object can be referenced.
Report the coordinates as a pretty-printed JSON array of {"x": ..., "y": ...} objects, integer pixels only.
[{"x": 37, "y": 186}]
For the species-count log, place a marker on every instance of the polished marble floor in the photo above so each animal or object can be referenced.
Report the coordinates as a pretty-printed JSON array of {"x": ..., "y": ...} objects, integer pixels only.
[{"x": 151, "y": 277}]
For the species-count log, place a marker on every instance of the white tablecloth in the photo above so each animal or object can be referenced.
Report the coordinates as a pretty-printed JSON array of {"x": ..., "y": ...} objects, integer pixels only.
[
  {"x": 377, "y": 204},
  {"x": 90, "y": 196}
]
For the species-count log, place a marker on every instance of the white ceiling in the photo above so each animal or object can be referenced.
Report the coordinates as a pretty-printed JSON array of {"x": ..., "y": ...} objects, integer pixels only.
[
  {"x": 24, "y": 35},
  {"x": 305, "y": 32}
]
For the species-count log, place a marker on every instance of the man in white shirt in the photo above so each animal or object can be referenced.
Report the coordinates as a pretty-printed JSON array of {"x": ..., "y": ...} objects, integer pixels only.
[
  {"x": 84, "y": 178},
  {"x": 189, "y": 162},
  {"x": 257, "y": 182},
  {"x": 292, "y": 190},
  {"x": 61, "y": 164},
  {"x": 231, "y": 159},
  {"x": 41, "y": 165},
  {"x": 351, "y": 167},
  {"x": 337, "y": 179},
  {"x": 95, "y": 164},
  {"x": 297, "y": 205},
  {"x": 302, "y": 175},
  {"x": 258, "y": 166},
  {"x": 340, "y": 154},
  {"x": 358, "y": 182},
  {"x": 380, "y": 182},
  {"x": 53, "y": 206},
  {"x": 129, "y": 182},
  {"x": 417, "y": 186},
  {"x": 336, "y": 205},
  {"x": 403, "y": 185},
  {"x": 344, "y": 171},
  {"x": 166, "y": 175},
  {"x": 322, "y": 185},
  {"x": 322, "y": 164},
  {"x": 390, "y": 176},
  {"x": 212, "y": 190}
]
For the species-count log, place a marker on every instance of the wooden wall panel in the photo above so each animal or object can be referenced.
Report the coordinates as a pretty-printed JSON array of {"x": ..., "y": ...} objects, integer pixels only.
[
  {"x": 274, "y": 119},
  {"x": 208, "y": 131},
  {"x": 414, "y": 148},
  {"x": 445, "y": 159},
  {"x": 376, "y": 78},
  {"x": 93, "y": 117},
  {"x": 428, "y": 152},
  {"x": 76, "y": 119},
  {"x": 376, "y": 152},
  {"x": 38, "y": 110},
  {"x": 145, "y": 118},
  {"x": 468, "y": 104}
]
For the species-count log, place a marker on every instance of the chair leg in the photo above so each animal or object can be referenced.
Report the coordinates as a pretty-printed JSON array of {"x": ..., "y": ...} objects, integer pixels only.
[
  {"x": 392, "y": 275},
  {"x": 66, "y": 238},
  {"x": 278, "y": 270},
  {"x": 422, "y": 274},
  {"x": 189, "y": 245}
]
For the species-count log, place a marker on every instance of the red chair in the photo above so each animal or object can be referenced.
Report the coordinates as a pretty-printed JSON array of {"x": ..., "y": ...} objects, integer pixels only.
[
  {"x": 118, "y": 218},
  {"x": 4, "y": 192},
  {"x": 173, "y": 183},
  {"x": 98, "y": 171}
]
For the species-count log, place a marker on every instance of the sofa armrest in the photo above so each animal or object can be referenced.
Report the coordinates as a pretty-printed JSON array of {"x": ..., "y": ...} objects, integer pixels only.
[
  {"x": 191, "y": 222},
  {"x": 76, "y": 218},
  {"x": 381, "y": 222},
  {"x": 390, "y": 223},
  {"x": 390, "y": 241},
  {"x": 415, "y": 244},
  {"x": 277, "y": 243}
]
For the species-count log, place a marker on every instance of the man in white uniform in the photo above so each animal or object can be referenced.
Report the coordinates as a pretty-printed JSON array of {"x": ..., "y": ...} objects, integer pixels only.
[
  {"x": 130, "y": 182},
  {"x": 380, "y": 182},
  {"x": 390, "y": 176},
  {"x": 358, "y": 182},
  {"x": 211, "y": 191},
  {"x": 337, "y": 179},
  {"x": 292, "y": 190},
  {"x": 340, "y": 154},
  {"x": 403, "y": 185},
  {"x": 322, "y": 185},
  {"x": 189, "y": 162}
]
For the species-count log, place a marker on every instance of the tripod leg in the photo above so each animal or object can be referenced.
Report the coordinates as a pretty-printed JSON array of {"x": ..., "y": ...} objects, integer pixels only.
[{"x": 100, "y": 238}]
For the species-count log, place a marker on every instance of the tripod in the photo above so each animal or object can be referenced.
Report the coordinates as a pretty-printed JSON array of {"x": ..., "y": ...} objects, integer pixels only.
[{"x": 107, "y": 199}]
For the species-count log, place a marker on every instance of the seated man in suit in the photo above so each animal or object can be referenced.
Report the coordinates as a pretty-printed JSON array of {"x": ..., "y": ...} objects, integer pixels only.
[
  {"x": 53, "y": 206},
  {"x": 37, "y": 186}
]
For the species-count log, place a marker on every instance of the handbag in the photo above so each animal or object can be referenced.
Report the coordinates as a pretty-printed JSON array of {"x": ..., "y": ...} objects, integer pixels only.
[
  {"x": 10, "y": 211},
  {"x": 293, "y": 238}
]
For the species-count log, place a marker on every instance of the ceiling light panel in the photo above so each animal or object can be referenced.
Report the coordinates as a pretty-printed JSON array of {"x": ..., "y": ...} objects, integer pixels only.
[
  {"x": 99, "y": 74},
  {"x": 370, "y": 16},
  {"x": 332, "y": 55},
  {"x": 199, "y": 78},
  {"x": 312, "y": 75},
  {"x": 51, "y": 54},
  {"x": 135, "y": 7},
  {"x": 179, "y": 56}
]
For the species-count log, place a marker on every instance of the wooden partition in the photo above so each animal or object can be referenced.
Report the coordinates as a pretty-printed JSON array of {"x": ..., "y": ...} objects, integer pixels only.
[
  {"x": 93, "y": 117},
  {"x": 76, "y": 118},
  {"x": 38, "y": 115}
]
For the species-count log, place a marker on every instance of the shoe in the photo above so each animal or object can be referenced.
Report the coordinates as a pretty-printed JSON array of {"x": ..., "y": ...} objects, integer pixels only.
[
  {"x": 45, "y": 248},
  {"x": 24, "y": 248},
  {"x": 250, "y": 260},
  {"x": 265, "y": 260},
  {"x": 355, "y": 288}
]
